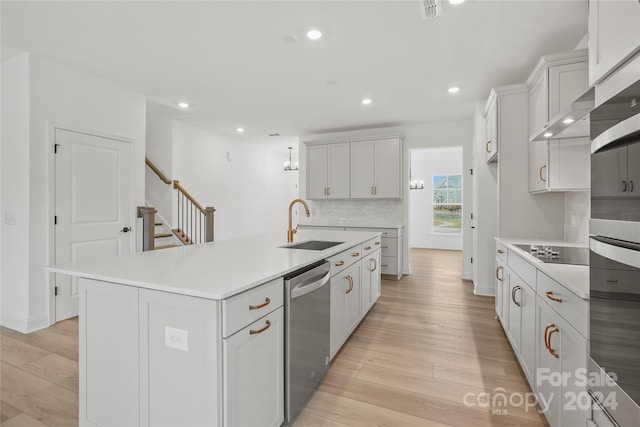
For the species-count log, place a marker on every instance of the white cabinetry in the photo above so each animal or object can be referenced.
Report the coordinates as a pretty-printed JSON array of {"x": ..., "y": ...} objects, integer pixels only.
[
  {"x": 556, "y": 82},
  {"x": 376, "y": 169},
  {"x": 559, "y": 165},
  {"x": 370, "y": 275},
  {"x": 501, "y": 285},
  {"x": 614, "y": 35},
  {"x": 254, "y": 373},
  {"x": 345, "y": 305},
  {"x": 491, "y": 130},
  {"x": 328, "y": 171}
]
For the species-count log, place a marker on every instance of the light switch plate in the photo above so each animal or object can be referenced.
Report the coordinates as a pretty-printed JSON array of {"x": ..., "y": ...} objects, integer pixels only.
[{"x": 176, "y": 338}]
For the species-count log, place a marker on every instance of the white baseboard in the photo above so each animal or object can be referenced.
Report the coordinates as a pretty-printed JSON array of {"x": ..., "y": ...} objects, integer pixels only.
[
  {"x": 25, "y": 325},
  {"x": 484, "y": 289}
]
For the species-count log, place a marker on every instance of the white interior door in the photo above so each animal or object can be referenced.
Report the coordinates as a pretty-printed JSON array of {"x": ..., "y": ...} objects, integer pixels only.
[{"x": 92, "y": 206}]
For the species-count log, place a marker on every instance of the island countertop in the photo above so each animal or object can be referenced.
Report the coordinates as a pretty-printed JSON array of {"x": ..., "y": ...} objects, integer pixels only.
[{"x": 215, "y": 270}]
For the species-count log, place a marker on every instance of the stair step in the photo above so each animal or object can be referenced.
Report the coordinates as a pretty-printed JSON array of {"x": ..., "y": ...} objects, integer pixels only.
[
  {"x": 160, "y": 235},
  {"x": 166, "y": 246}
]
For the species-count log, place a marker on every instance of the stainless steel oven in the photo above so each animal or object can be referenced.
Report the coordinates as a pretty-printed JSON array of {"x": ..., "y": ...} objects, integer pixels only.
[{"x": 614, "y": 346}]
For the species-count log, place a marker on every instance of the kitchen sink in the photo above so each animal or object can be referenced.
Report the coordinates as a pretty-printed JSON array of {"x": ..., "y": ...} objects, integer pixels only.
[{"x": 312, "y": 245}]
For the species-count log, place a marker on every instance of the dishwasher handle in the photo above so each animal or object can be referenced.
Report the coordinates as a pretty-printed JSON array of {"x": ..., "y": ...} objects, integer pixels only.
[{"x": 304, "y": 287}]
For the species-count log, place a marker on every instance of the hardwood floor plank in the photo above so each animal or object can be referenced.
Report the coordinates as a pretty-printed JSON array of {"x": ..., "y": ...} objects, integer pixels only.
[
  {"x": 23, "y": 420},
  {"x": 7, "y": 412}
]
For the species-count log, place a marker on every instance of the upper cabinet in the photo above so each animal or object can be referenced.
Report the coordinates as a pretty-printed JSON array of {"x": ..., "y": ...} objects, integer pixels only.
[
  {"x": 614, "y": 35},
  {"x": 370, "y": 169},
  {"x": 376, "y": 169},
  {"x": 491, "y": 130},
  {"x": 559, "y": 165},
  {"x": 556, "y": 82},
  {"x": 328, "y": 171}
]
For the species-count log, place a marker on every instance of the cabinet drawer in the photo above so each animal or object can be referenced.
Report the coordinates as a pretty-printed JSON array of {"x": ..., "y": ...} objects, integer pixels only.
[
  {"x": 386, "y": 232},
  {"x": 388, "y": 265},
  {"x": 522, "y": 268},
  {"x": 370, "y": 246},
  {"x": 344, "y": 259},
  {"x": 389, "y": 246},
  {"x": 571, "y": 307},
  {"x": 249, "y": 306},
  {"x": 501, "y": 251}
]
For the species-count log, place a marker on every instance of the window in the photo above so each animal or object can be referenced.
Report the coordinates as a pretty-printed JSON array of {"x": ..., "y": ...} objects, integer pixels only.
[{"x": 447, "y": 204}]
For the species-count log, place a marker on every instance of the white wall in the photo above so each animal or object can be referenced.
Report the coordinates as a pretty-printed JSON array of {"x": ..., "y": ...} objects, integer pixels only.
[
  {"x": 429, "y": 135},
  {"x": 425, "y": 164},
  {"x": 249, "y": 188},
  {"x": 58, "y": 95}
]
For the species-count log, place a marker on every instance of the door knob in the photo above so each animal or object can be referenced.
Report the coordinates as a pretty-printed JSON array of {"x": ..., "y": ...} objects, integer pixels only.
[{"x": 126, "y": 230}]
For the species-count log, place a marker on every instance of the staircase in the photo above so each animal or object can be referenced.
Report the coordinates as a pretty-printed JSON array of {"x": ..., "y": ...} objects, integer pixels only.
[{"x": 195, "y": 222}]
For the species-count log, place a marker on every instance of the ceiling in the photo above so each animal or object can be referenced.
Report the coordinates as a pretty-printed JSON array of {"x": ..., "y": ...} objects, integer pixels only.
[{"x": 248, "y": 63}]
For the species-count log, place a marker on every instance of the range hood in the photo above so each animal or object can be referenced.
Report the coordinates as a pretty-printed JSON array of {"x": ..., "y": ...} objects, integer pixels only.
[{"x": 572, "y": 122}]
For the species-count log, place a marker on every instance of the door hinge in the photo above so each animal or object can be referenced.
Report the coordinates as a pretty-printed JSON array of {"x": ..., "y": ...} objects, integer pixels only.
[
  {"x": 55, "y": 220},
  {"x": 55, "y": 291},
  {"x": 55, "y": 148},
  {"x": 470, "y": 171}
]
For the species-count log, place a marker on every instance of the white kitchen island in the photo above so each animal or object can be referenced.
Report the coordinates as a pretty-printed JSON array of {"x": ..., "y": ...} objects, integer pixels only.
[{"x": 191, "y": 335}]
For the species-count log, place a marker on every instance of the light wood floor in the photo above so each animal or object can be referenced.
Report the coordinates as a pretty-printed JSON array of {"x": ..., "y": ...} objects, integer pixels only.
[{"x": 426, "y": 344}]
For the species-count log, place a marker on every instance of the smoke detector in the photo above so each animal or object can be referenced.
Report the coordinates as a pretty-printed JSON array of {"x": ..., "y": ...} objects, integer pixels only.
[{"x": 431, "y": 8}]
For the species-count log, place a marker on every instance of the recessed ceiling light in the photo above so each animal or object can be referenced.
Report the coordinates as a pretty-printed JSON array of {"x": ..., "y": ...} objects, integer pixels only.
[
  {"x": 274, "y": 134},
  {"x": 366, "y": 101},
  {"x": 183, "y": 105},
  {"x": 568, "y": 121},
  {"x": 547, "y": 135},
  {"x": 240, "y": 130},
  {"x": 454, "y": 89},
  {"x": 314, "y": 34},
  {"x": 456, "y": 1}
]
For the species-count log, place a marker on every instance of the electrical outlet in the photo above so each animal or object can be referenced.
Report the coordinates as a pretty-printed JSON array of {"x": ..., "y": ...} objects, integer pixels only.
[{"x": 176, "y": 338}]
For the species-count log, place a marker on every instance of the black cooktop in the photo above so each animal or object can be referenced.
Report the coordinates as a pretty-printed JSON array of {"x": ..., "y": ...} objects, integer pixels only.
[{"x": 558, "y": 254}]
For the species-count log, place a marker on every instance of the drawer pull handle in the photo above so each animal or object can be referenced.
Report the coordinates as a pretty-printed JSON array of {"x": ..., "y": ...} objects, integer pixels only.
[
  {"x": 376, "y": 243},
  {"x": 350, "y": 279},
  {"x": 488, "y": 147},
  {"x": 339, "y": 263},
  {"x": 550, "y": 296},
  {"x": 259, "y": 331},
  {"x": 500, "y": 251},
  {"x": 355, "y": 254},
  {"x": 500, "y": 277},
  {"x": 385, "y": 247},
  {"x": 384, "y": 265},
  {"x": 368, "y": 248},
  {"x": 257, "y": 307},
  {"x": 551, "y": 349},
  {"x": 546, "y": 331}
]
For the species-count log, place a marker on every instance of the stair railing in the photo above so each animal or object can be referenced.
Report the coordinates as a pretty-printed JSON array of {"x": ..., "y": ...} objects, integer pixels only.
[{"x": 195, "y": 222}]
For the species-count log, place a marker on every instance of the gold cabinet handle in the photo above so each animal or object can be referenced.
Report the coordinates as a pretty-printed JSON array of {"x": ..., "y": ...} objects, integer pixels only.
[
  {"x": 546, "y": 331},
  {"x": 551, "y": 349},
  {"x": 513, "y": 295},
  {"x": 552, "y": 298},
  {"x": 500, "y": 251},
  {"x": 259, "y": 331},
  {"x": 372, "y": 190},
  {"x": 498, "y": 270},
  {"x": 376, "y": 243},
  {"x": 488, "y": 146},
  {"x": 540, "y": 173},
  {"x": 375, "y": 189},
  {"x": 355, "y": 254},
  {"x": 368, "y": 248},
  {"x": 350, "y": 279},
  {"x": 375, "y": 264},
  {"x": 264, "y": 304},
  {"x": 339, "y": 263}
]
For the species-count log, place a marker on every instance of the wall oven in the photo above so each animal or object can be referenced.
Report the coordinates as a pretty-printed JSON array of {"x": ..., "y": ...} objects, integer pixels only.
[{"x": 614, "y": 228}]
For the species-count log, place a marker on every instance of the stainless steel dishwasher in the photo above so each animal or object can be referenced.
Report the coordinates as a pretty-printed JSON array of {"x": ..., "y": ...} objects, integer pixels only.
[{"x": 307, "y": 327}]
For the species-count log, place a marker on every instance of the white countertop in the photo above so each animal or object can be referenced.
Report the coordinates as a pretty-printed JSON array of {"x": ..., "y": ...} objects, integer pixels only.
[
  {"x": 573, "y": 277},
  {"x": 215, "y": 270}
]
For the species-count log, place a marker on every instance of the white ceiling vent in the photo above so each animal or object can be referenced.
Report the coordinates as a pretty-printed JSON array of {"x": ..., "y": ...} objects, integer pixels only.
[{"x": 431, "y": 8}]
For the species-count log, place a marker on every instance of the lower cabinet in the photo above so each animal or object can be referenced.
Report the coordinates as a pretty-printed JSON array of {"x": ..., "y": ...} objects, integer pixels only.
[
  {"x": 253, "y": 373},
  {"x": 521, "y": 323},
  {"x": 561, "y": 355},
  {"x": 345, "y": 305},
  {"x": 370, "y": 280},
  {"x": 502, "y": 290}
]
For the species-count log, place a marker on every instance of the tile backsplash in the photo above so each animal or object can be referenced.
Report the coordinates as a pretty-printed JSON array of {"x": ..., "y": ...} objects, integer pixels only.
[
  {"x": 576, "y": 218},
  {"x": 372, "y": 212}
]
